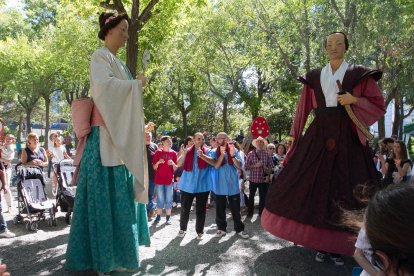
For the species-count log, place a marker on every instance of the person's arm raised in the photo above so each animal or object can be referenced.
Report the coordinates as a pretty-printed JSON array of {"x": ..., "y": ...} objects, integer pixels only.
[
  {"x": 211, "y": 161},
  {"x": 183, "y": 154},
  {"x": 232, "y": 154}
]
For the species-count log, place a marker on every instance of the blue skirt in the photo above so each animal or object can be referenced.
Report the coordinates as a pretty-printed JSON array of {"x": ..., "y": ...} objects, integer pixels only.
[{"x": 108, "y": 225}]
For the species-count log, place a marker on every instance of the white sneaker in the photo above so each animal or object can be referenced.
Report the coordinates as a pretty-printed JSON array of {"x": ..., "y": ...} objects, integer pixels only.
[
  {"x": 320, "y": 257},
  {"x": 220, "y": 234},
  {"x": 338, "y": 260},
  {"x": 174, "y": 204},
  {"x": 7, "y": 234},
  {"x": 181, "y": 234},
  {"x": 243, "y": 234},
  {"x": 200, "y": 236}
]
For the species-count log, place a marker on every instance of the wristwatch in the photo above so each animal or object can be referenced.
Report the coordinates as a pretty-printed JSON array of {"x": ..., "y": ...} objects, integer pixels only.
[{"x": 234, "y": 156}]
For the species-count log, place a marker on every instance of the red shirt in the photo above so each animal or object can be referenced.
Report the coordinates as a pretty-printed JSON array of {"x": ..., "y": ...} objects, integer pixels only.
[{"x": 164, "y": 175}]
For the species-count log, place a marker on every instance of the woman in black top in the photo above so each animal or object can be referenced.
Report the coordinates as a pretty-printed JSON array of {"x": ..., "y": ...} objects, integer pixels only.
[
  {"x": 397, "y": 168},
  {"x": 33, "y": 154}
]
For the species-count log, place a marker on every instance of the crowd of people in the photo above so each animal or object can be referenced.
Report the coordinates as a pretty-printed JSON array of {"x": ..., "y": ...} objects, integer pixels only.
[
  {"x": 31, "y": 155},
  {"x": 124, "y": 180},
  {"x": 205, "y": 172},
  {"x": 260, "y": 172}
]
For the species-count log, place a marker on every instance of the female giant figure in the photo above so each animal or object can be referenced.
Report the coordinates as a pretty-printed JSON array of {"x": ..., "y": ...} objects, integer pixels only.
[{"x": 108, "y": 224}]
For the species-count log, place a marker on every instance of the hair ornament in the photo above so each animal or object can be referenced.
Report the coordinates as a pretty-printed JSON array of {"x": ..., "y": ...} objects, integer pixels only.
[{"x": 109, "y": 19}]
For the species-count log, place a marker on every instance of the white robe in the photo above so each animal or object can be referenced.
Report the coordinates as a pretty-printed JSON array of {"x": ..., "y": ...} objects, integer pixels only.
[
  {"x": 328, "y": 82},
  {"x": 120, "y": 101}
]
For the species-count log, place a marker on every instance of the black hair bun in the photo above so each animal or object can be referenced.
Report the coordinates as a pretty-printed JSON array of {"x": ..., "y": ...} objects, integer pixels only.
[
  {"x": 103, "y": 17},
  {"x": 109, "y": 20}
]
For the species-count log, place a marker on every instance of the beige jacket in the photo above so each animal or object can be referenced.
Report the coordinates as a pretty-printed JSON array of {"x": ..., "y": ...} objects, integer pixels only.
[{"x": 119, "y": 100}]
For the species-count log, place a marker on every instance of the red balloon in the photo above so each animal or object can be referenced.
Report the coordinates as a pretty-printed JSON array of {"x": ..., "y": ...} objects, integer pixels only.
[{"x": 260, "y": 127}]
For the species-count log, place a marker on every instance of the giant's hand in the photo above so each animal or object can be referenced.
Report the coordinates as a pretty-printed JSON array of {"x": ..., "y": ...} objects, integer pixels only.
[
  {"x": 143, "y": 79},
  {"x": 347, "y": 98}
]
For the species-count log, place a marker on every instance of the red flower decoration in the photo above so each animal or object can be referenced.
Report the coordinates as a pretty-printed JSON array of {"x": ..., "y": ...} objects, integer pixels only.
[{"x": 260, "y": 127}]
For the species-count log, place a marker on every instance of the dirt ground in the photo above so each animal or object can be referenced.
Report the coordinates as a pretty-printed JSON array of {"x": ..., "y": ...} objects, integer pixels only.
[{"x": 43, "y": 252}]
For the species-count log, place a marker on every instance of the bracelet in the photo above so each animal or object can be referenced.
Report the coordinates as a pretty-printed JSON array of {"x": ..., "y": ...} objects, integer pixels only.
[{"x": 234, "y": 156}]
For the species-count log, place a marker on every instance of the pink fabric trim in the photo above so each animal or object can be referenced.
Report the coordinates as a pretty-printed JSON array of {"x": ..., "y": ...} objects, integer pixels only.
[
  {"x": 370, "y": 106},
  {"x": 309, "y": 236},
  {"x": 85, "y": 115},
  {"x": 307, "y": 102}
]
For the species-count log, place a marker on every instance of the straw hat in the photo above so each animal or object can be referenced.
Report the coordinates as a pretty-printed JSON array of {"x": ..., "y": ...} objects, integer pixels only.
[{"x": 260, "y": 138}]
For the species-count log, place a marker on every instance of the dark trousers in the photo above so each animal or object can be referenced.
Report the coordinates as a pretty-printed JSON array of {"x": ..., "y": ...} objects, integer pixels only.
[
  {"x": 263, "y": 187},
  {"x": 234, "y": 205},
  {"x": 151, "y": 190},
  {"x": 186, "y": 202},
  {"x": 49, "y": 168},
  {"x": 176, "y": 196},
  {"x": 3, "y": 226}
]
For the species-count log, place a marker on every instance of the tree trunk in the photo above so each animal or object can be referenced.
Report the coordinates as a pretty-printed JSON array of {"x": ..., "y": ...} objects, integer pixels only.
[
  {"x": 400, "y": 130},
  {"x": 47, "y": 106},
  {"x": 138, "y": 21},
  {"x": 225, "y": 111},
  {"x": 19, "y": 128},
  {"x": 396, "y": 123},
  {"x": 307, "y": 38},
  {"x": 255, "y": 113},
  {"x": 185, "y": 127},
  {"x": 28, "y": 119},
  {"x": 132, "y": 52},
  {"x": 381, "y": 127}
]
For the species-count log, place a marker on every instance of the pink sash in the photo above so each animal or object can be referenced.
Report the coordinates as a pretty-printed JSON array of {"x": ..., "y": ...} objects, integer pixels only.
[{"x": 85, "y": 115}]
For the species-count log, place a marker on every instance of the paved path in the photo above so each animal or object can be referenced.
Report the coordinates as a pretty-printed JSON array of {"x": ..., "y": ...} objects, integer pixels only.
[{"x": 43, "y": 252}]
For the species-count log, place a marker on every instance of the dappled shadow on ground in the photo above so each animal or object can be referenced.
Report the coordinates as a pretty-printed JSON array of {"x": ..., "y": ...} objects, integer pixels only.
[
  {"x": 20, "y": 228},
  {"x": 35, "y": 257},
  {"x": 195, "y": 257},
  {"x": 296, "y": 260},
  {"x": 43, "y": 253}
]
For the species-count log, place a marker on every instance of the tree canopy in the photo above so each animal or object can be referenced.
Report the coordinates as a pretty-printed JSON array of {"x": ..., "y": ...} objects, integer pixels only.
[{"x": 215, "y": 64}]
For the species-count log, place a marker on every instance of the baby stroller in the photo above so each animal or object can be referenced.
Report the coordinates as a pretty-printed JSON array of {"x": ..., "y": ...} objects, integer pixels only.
[
  {"x": 32, "y": 202},
  {"x": 65, "y": 195}
]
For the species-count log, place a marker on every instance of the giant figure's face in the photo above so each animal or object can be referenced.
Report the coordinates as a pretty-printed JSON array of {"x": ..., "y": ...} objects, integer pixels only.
[
  {"x": 119, "y": 34},
  {"x": 335, "y": 46}
]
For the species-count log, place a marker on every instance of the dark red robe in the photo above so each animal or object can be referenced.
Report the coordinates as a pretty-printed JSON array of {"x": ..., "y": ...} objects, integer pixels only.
[{"x": 323, "y": 167}]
